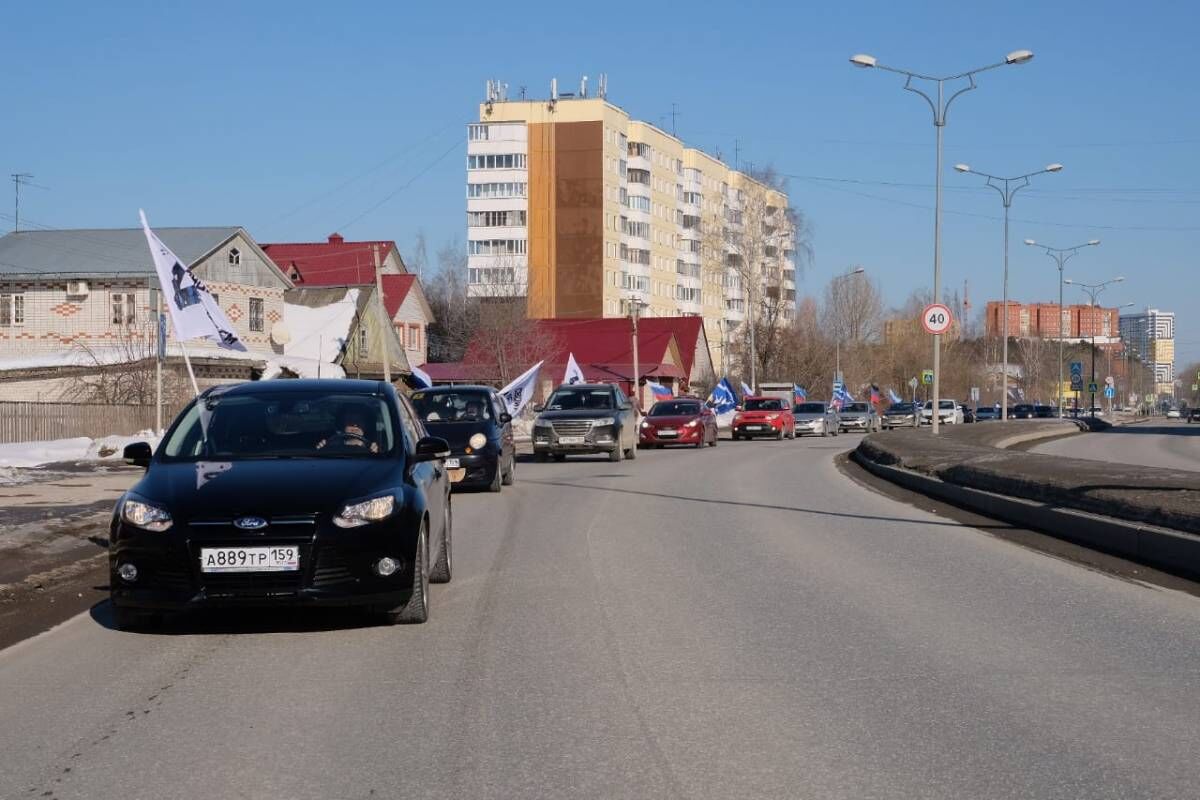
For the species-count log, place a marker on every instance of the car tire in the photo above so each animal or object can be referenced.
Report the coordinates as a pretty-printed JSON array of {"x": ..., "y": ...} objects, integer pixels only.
[
  {"x": 631, "y": 453},
  {"x": 616, "y": 454},
  {"x": 135, "y": 619},
  {"x": 416, "y": 610},
  {"x": 560, "y": 457},
  {"x": 441, "y": 572},
  {"x": 497, "y": 477},
  {"x": 511, "y": 474},
  {"x": 540, "y": 458}
]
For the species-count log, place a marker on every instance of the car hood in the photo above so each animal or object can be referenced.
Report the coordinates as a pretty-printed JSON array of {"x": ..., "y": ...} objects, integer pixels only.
[
  {"x": 895, "y": 412},
  {"x": 275, "y": 487},
  {"x": 458, "y": 433},
  {"x": 808, "y": 416},
  {"x": 672, "y": 421},
  {"x": 551, "y": 416},
  {"x": 758, "y": 415}
]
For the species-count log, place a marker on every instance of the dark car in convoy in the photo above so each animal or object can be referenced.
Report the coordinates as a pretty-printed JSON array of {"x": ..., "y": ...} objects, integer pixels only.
[
  {"x": 1193, "y": 414},
  {"x": 1021, "y": 411},
  {"x": 901, "y": 415},
  {"x": 585, "y": 418},
  {"x": 1044, "y": 412},
  {"x": 763, "y": 416},
  {"x": 478, "y": 427},
  {"x": 986, "y": 413},
  {"x": 678, "y": 421},
  {"x": 285, "y": 493}
]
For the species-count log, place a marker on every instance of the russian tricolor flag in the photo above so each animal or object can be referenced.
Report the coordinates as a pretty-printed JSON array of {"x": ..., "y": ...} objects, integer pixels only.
[{"x": 659, "y": 391}]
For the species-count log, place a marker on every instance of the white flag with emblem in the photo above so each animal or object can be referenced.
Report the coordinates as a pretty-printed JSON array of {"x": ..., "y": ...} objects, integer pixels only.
[
  {"x": 194, "y": 312},
  {"x": 518, "y": 393},
  {"x": 574, "y": 373}
]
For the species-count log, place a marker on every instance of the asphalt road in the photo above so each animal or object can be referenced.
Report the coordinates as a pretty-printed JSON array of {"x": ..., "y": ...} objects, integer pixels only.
[
  {"x": 744, "y": 622},
  {"x": 1161, "y": 443}
]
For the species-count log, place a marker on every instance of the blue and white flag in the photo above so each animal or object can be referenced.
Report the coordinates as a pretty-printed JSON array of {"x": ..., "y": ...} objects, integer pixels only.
[
  {"x": 574, "y": 373},
  {"x": 421, "y": 377},
  {"x": 722, "y": 399},
  {"x": 840, "y": 395},
  {"x": 893, "y": 397},
  {"x": 746, "y": 390},
  {"x": 798, "y": 393},
  {"x": 519, "y": 392},
  {"x": 194, "y": 312}
]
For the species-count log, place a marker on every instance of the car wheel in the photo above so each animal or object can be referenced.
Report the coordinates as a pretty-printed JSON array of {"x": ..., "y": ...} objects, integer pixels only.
[
  {"x": 497, "y": 477},
  {"x": 441, "y": 571},
  {"x": 416, "y": 610},
  {"x": 616, "y": 454},
  {"x": 560, "y": 457},
  {"x": 631, "y": 453},
  {"x": 511, "y": 474},
  {"x": 135, "y": 619}
]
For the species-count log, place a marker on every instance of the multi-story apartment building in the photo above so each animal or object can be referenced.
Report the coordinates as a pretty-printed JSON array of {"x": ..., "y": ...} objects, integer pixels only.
[
  {"x": 1151, "y": 337},
  {"x": 1046, "y": 320},
  {"x": 583, "y": 211}
]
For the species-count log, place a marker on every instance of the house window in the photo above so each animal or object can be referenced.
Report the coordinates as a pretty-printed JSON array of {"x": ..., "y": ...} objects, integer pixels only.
[
  {"x": 122, "y": 308},
  {"x": 12, "y": 310},
  {"x": 256, "y": 314},
  {"x": 235, "y": 257},
  {"x": 412, "y": 337}
]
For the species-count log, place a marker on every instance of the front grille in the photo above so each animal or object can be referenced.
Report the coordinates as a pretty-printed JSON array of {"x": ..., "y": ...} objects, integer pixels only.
[
  {"x": 253, "y": 584},
  {"x": 572, "y": 427},
  {"x": 332, "y": 569}
]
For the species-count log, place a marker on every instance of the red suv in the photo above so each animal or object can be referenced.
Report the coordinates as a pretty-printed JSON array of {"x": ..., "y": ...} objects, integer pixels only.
[{"x": 764, "y": 416}]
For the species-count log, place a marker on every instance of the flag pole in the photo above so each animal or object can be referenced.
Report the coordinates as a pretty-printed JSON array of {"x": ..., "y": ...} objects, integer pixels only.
[{"x": 191, "y": 373}]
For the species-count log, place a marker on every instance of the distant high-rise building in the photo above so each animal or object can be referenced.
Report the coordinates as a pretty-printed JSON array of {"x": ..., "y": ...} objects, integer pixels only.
[
  {"x": 1150, "y": 335},
  {"x": 1048, "y": 321}
]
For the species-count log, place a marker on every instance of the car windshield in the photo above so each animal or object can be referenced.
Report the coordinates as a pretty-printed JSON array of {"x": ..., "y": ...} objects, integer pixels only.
[
  {"x": 899, "y": 408},
  {"x": 856, "y": 408},
  {"x": 764, "y": 404},
  {"x": 452, "y": 406},
  {"x": 282, "y": 425},
  {"x": 808, "y": 408},
  {"x": 573, "y": 399},
  {"x": 674, "y": 408}
]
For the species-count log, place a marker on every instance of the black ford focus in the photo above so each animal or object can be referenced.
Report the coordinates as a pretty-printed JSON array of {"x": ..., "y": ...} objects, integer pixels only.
[
  {"x": 292, "y": 492},
  {"x": 478, "y": 428}
]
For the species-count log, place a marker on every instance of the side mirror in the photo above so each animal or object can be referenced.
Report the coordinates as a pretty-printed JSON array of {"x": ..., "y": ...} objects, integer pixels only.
[
  {"x": 539, "y": 409},
  {"x": 626, "y": 406},
  {"x": 138, "y": 454},
  {"x": 505, "y": 418},
  {"x": 431, "y": 448}
]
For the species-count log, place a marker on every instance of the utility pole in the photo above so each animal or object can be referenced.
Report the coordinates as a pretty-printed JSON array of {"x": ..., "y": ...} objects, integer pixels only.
[
  {"x": 18, "y": 178},
  {"x": 384, "y": 322},
  {"x": 635, "y": 308}
]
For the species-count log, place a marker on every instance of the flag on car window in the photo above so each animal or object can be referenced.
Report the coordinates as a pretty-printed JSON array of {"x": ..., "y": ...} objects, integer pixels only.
[
  {"x": 722, "y": 399},
  {"x": 746, "y": 390},
  {"x": 659, "y": 391},
  {"x": 574, "y": 373},
  {"x": 841, "y": 396},
  {"x": 519, "y": 392},
  {"x": 194, "y": 312}
]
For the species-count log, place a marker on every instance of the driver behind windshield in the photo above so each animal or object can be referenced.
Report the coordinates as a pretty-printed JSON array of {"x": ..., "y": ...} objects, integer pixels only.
[{"x": 351, "y": 432}]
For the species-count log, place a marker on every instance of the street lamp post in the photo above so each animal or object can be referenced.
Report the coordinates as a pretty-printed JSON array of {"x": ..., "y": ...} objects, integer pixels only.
[
  {"x": 939, "y": 107},
  {"x": 1093, "y": 290},
  {"x": 837, "y": 337},
  {"x": 1007, "y": 187},
  {"x": 1061, "y": 256}
]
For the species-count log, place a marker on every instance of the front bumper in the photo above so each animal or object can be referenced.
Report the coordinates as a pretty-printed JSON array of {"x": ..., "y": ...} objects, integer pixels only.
[
  {"x": 681, "y": 435},
  {"x": 335, "y": 568},
  {"x": 811, "y": 426},
  {"x": 477, "y": 469},
  {"x": 899, "y": 422},
  {"x": 763, "y": 428},
  {"x": 598, "y": 439},
  {"x": 853, "y": 424}
]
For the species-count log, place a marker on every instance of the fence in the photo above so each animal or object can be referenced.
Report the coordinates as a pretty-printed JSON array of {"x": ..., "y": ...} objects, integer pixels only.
[{"x": 34, "y": 422}]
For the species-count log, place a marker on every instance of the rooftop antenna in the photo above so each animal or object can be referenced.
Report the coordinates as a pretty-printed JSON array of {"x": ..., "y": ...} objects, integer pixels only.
[
  {"x": 553, "y": 93},
  {"x": 583, "y": 87},
  {"x": 19, "y": 179},
  {"x": 602, "y": 86},
  {"x": 674, "y": 114},
  {"x": 523, "y": 89}
]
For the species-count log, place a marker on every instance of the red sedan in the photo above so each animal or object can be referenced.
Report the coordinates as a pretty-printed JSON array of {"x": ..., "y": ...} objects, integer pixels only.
[
  {"x": 678, "y": 421},
  {"x": 764, "y": 416}
]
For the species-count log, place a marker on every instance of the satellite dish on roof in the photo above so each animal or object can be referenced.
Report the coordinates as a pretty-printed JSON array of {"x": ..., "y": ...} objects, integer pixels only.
[{"x": 280, "y": 334}]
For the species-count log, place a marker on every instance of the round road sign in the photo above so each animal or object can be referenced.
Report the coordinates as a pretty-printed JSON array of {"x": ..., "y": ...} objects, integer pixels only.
[{"x": 936, "y": 318}]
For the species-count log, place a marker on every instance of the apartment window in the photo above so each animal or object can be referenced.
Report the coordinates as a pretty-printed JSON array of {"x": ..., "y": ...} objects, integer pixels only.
[
  {"x": 12, "y": 310},
  {"x": 492, "y": 276},
  {"x": 496, "y": 247},
  {"x": 364, "y": 344},
  {"x": 495, "y": 219},
  {"x": 123, "y": 308},
  {"x": 639, "y": 229},
  {"x": 235, "y": 257},
  {"x": 256, "y": 314},
  {"x": 504, "y": 189},
  {"x": 477, "y": 133},
  {"x": 639, "y": 150},
  {"x": 638, "y": 203},
  {"x": 496, "y": 161},
  {"x": 622, "y": 168}
]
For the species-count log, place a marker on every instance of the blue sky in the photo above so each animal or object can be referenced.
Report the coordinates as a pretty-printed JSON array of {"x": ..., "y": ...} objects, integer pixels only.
[{"x": 297, "y": 119}]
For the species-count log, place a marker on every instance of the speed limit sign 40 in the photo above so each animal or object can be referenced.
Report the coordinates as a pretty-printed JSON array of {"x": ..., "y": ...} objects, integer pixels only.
[{"x": 936, "y": 318}]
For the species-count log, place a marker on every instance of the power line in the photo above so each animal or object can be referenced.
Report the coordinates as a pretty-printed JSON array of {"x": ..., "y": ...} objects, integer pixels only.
[{"x": 404, "y": 186}]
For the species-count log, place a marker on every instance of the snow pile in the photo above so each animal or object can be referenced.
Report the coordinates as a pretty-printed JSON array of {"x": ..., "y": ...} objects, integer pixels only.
[
  {"x": 319, "y": 334},
  {"x": 302, "y": 367},
  {"x": 35, "y": 454}
]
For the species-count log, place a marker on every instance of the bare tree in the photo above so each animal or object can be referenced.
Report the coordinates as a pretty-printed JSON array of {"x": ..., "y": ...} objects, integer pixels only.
[
  {"x": 454, "y": 313},
  {"x": 123, "y": 373}
]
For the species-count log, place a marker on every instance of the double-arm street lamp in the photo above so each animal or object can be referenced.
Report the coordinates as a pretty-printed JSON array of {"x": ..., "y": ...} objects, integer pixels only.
[
  {"x": 1007, "y": 187},
  {"x": 837, "y": 336},
  {"x": 1061, "y": 256},
  {"x": 1093, "y": 291},
  {"x": 939, "y": 106}
]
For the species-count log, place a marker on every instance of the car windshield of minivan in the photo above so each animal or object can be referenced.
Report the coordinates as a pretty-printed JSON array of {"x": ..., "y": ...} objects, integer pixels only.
[
  {"x": 767, "y": 404},
  {"x": 580, "y": 399},
  {"x": 439, "y": 407},
  {"x": 674, "y": 409},
  {"x": 283, "y": 425},
  {"x": 857, "y": 408},
  {"x": 809, "y": 408}
]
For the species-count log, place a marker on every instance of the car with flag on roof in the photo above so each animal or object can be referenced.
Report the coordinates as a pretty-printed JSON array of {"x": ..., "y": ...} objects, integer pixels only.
[{"x": 763, "y": 416}]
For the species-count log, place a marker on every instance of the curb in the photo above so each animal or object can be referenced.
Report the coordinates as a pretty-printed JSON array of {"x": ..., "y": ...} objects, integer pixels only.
[{"x": 1171, "y": 551}]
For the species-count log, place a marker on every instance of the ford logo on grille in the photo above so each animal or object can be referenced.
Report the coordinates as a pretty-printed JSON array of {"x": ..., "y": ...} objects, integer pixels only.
[{"x": 250, "y": 523}]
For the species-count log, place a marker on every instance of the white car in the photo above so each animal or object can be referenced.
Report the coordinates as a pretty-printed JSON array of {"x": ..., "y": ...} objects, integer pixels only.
[
  {"x": 949, "y": 413},
  {"x": 1173, "y": 413}
]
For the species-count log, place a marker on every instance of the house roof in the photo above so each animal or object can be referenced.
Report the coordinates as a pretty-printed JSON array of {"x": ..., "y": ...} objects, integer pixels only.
[
  {"x": 335, "y": 262},
  {"x": 396, "y": 289},
  {"x": 323, "y": 320},
  {"x": 103, "y": 251}
]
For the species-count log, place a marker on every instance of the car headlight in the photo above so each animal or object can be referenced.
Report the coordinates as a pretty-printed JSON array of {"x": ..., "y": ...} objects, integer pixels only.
[
  {"x": 144, "y": 515},
  {"x": 373, "y": 510},
  {"x": 646, "y": 424},
  {"x": 692, "y": 424},
  {"x": 603, "y": 421},
  {"x": 772, "y": 417},
  {"x": 477, "y": 441}
]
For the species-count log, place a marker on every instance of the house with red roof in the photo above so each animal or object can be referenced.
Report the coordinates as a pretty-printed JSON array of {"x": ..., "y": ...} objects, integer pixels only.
[
  {"x": 672, "y": 351},
  {"x": 336, "y": 262}
]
